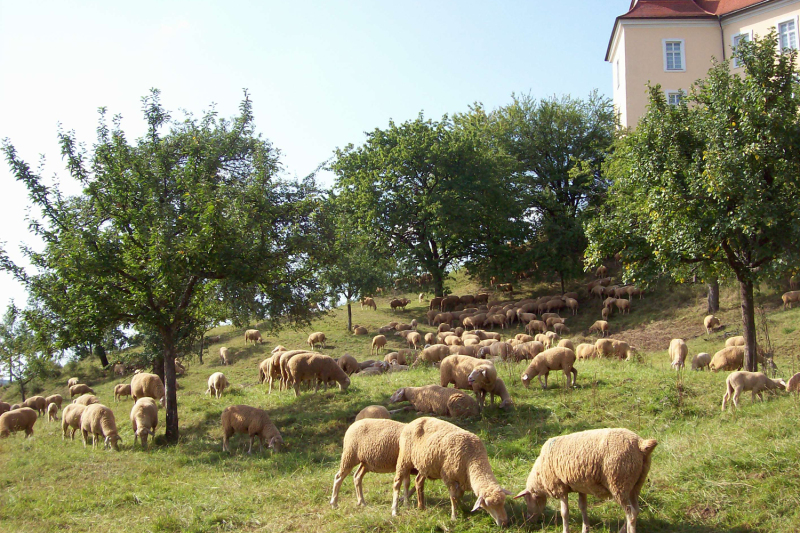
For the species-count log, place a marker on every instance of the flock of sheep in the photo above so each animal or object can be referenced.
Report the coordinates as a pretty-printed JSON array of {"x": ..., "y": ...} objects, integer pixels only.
[{"x": 607, "y": 463}]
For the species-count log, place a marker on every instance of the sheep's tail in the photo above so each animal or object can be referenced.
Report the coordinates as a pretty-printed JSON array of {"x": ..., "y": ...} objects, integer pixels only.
[{"x": 647, "y": 446}]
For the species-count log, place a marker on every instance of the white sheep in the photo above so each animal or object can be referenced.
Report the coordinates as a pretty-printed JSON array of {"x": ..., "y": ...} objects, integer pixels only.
[
  {"x": 710, "y": 323},
  {"x": 315, "y": 368},
  {"x": 315, "y": 338},
  {"x": 552, "y": 359},
  {"x": 440, "y": 450},
  {"x": 468, "y": 373},
  {"x": 71, "y": 418},
  {"x": 500, "y": 390},
  {"x": 144, "y": 420},
  {"x": 730, "y": 358},
  {"x": 584, "y": 351},
  {"x": 701, "y": 361},
  {"x": 677, "y": 353},
  {"x": 37, "y": 403},
  {"x": 606, "y": 463},
  {"x": 252, "y": 335},
  {"x": 378, "y": 343},
  {"x": 56, "y": 399},
  {"x": 738, "y": 382},
  {"x": 225, "y": 357},
  {"x": 217, "y": 383},
  {"x": 600, "y": 326},
  {"x": 793, "y": 385},
  {"x": 98, "y": 421},
  {"x": 433, "y": 354},
  {"x": 87, "y": 400},
  {"x": 71, "y": 382},
  {"x": 371, "y": 444},
  {"x": 77, "y": 390},
  {"x": 120, "y": 390},
  {"x": 21, "y": 419},
  {"x": 52, "y": 412},
  {"x": 373, "y": 411},
  {"x": 252, "y": 421},
  {"x": 442, "y": 401},
  {"x": 148, "y": 385}
]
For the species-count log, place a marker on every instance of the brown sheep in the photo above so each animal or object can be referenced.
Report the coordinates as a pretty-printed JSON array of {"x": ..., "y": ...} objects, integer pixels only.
[
  {"x": 77, "y": 390},
  {"x": 254, "y": 422},
  {"x": 442, "y": 401},
  {"x": 37, "y": 403},
  {"x": 624, "y": 306},
  {"x": 378, "y": 343},
  {"x": 120, "y": 390},
  {"x": 600, "y": 326},
  {"x": 315, "y": 338},
  {"x": 349, "y": 364},
  {"x": 553, "y": 359},
  {"x": 317, "y": 369},
  {"x": 360, "y": 330},
  {"x": 148, "y": 385},
  {"x": 369, "y": 302},
  {"x": 22, "y": 419},
  {"x": 99, "y": 422},
  {"x": 71, "y": 418}
]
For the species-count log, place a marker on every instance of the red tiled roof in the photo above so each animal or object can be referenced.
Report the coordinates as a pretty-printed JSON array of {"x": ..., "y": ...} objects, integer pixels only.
[
  {"x": 645, "y": 9},
  {"x": 723, "y": 7}
]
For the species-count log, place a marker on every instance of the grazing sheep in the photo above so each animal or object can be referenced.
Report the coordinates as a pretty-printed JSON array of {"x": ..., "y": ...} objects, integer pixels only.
[
  {"x": 500, "y": 390},
  {"x": 735, "y": 341},
  {"x": 414, "y": 340},
  {"x": 360, "y": 330},
  {"x": 37, "y": 403},
  {"x": 553, "y": 320},
  {"x": 544, "y": 339},
  {"x": 56, "y": 399},
  {"x": 98, "y": 421},
  {"x": 217, "y": 383},
  {"x": 741, "y": 381},
  {"x": 560, "y": 329},
  {"x": 378, "y": 343},
  {"x": 528, "y": 350},
  {"x": 606, "y": 463},
  {"x": 369, "y": 302},
  {"x": 349, "y": 364},
  {"x": 254, "y": 422},
  {"x": 52, "y": 412},
  {"x": 86, "y": 399},
  {"x": 621, "y": 349},
  {"x": 453, "y": 340},
  {"x": 147, "y": 385},
  {"x": 790, "y": 298},
  {"x": 468, "y": 373},
  {"x": 601, "y": 271},
  {"x": 600, "y": 326},
  {"x": 604, "y": 348},
  {"x": 316, "y": 368},
  {"x": 605, "y": 313},
  {"x": 399, "y": 302},
  {"x": 15, "y": 407},
  {"x": 22, "y": 419},
  {"x": 72, "y": 382},
  {"x": 71, "y": 418},
  {"x": 793, "y": 385},
  {"x": 731, "y": 358},
  {"x": 498, "y": 349},
  {"x": 710, "y": 323},
  {"x": 535, "y": 326},
  {"x": 440, "y": 450},
  {"x": 373, "y": 445},
  {"x": 701, "y": 361},
  {"x": 144, "y": 419},
  {"x": 677, "y": 353},
  {"x": 77, "y": 390},
  {"x": 213, "y": 339},
  {"x": 433, "y": 353},
  {"x": 252, "y": 335},
  {"x": 624, "y": 306},
  {"x": 584, "y": 351},
  {"x": 316, "y": 338},
  {"x": 552, "y": 359},
  {"x": 566, "y": 343},
  {"x": 442, "y": 401},
  {"x": 373, "y": 411},
  {"x": 430, "y": 338},
  {"x": 224, "y": 356},
  {"x": 572, "y": 305}
]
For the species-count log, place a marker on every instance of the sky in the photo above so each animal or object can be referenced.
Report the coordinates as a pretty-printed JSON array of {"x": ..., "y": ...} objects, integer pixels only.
[{"x": 319, "y": 74}]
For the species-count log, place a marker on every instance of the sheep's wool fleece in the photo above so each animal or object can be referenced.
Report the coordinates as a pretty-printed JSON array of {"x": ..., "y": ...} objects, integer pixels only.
[{"x": 375, "y": 443}]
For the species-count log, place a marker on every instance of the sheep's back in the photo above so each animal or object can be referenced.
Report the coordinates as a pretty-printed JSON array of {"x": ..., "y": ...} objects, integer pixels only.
[{"x": 375, "y": 443}]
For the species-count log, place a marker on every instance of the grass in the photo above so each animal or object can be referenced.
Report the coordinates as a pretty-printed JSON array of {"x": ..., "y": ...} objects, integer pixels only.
[{"x": 711, "y": 472}]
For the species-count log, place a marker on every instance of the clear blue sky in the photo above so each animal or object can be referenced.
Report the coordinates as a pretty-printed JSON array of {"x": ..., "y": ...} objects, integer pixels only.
[{"x": 319, "y": 73}]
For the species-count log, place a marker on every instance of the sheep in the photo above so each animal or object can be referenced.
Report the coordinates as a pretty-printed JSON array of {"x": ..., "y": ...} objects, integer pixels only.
[
  {"x": 37, "y": 403},
  {"x": 269, "y": 370},
  {"x": 369, "y": 302},
  {"x": 98, "y": 421},
  {"x": 790, "y": 298},
  {"x": 566, "y": 343},
  {"x": 4, "y": 407},
  {"x": 77, "y": 390},
  {"x": 373, "y": 445},
  {"x": 604, "y": 348},
  {"x": 71, "y": 418},
  {"x": 442, "y": 401},
  {"x": 315, "y": 338},
  {"x": 144, "y": 419},
  {"x": 56, "y": 399},
  {"x": 430, "y": 338},
  {"x": 378, "y": 343},
  {"x": 605, "y": 313},
  {"x": 363, "y": 365},
  {"x": 500, "y": 390},
  {"x": 22, "y": 419},
  {"x": 440, "y": 450},
  {"x": 731, "y": 358},
  {"x": 217, "y": 383},
  {"x": 468, "y": 373},
  {"x": 71, "y": 382},
  {"x": 553, "y": 320},
  {"x": 606, "y": 463},
  {"x": 452, "y": 340},
  {"x": 399, "y": 302},
  {"x": 561, "y": 329},
  {"x": 552, "y": 359},
  {"x": 793, "y": 385},
  {"x": 52, "y": 412},
  {"x": 15, "y": 407},
  {"x": 601, "y": 271},
  {"x": 224, "y": 356},
  {"x": 149, "y": 385},
  {"x": 283, "y": 363},
  {"x": 212, "y": 339},
  {"x": 624, "y": 306},
  {"x": 254, "y": 422},
  {"x": 735, "y": 341},
  {"x": 710, "y": 323},
  {"x": 86, "y": 399},
  {"x": 433, "y": 353},
  {"x": 421, "y": 297},
  {"x": 386, "y": 329},
  {"x": 316, "y": 368},
  {"x": 621, "y": 349},
  {"x": 528, "y": 350},
  {"x": 585, "y": 351},
  {"x": 348, "y": 364},
  {"x": 373, "y": 411},
  {"x": 253, "y": 335},
  {"x": 677, "y": 353},
  {"x": 360, "y": 330},
  {"x": 738, "y": 382},
  {"x": 119, "y": 369},
  {"x": 572, "y": 305},
  {"x": 414, "y": 340},
  {"x": 406, "y": 328},
  {"x": 499, "y": 349},
  {"x": 394, "y": 367},
  {"x": 535, "y": 325},
  {"x": 600, "y": 326},
  {"x": 544, "y": 339},
  {"x": 701, "y": 361}
]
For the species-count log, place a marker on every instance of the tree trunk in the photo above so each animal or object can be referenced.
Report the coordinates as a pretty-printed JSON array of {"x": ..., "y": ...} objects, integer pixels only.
[
  {"x": 749, "y": 322},
  {"x": 100, "y": 352},
  {"x": 21, "y": 389},
  {"x": 438, "y": 282},
  {"x": 171, "y": 427},
  {"x": 349, "y": 317},
  {"x": 202, "y": 347},
  {"x": 561, "y": 277},
  {"x": 713, "y": 296}
]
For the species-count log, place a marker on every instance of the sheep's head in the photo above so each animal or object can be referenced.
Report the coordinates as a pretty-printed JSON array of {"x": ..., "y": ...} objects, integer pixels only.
[
  {"x": 479, "y": 375},
  {"x": 112, "y": 440},
  {"x": 535, "y": 502},
  {"x": 526, "y": 380},
  {"x": 399, "y": 396},
  {"x": 343, "y": 384},
  {"x": 163, "y": 401},
  {"x": 779, "y": 384},
  {"x": 276, "y": 443},
  {"x": 493, "y": 501}
]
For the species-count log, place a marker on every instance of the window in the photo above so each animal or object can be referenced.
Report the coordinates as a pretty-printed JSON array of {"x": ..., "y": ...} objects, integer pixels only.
[
  {"x": 674, "y": 55},
  {"x": 787, "y": 35},
  {"x": 739, "y": 38},
  {"x": 674, "y": 97},
  {"x": 617, "y": 67}
]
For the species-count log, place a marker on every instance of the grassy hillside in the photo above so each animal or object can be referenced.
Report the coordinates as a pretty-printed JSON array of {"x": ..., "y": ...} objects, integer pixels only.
[{"x": 711, "y": 471}]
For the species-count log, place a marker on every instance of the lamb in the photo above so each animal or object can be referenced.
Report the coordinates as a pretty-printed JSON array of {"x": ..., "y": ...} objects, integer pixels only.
[
  {"x": 442, "y": 401},
  {"x": 360, "y": 330},
  {"x": 440, "y": 450},
  {"x": 348, "y": 364},
  {"x": 552, "y": 359},
  {"x": 731, "y": 358},
  {"x": 253, "y": 335},
  {"x": 52, "y": 412},
  {"x": 316, "y": 338},
  {"x": 86, "y": 399},
  {"x": 254, "y": 422},
  {"x": 98, "y": 421},
  {"x": 224, "y": 356},
  {"x": 373, "y": 411},
  {"x": 217, "y": 383},
  {"x": 71, "y": 418},
  {"x": 22, "y": 419},
  {"x": 710, "y": 323},
  {"x": 606, "y": 463},
  {"x": 373, "y": 445},
  {"x": 468, "y": 373},
  {"x": 433, "y": 354},
  {"x": 147, "y": 385},
  {"x": 369, "y": 302},
  {"x": 144, "y": 419},
  {"x": 584, "y": 351},
  {"x": 677, "y": 353},
  {"x": 37, "y": 403},
  {"x": 56, "y": 399},
  {"x": 77, "y": 390},
  {"x": 735, "y": 341},
  {"x": 741, "y": 381},
  {"x": 72, "y": 382},
  {"x": 600, "y": 326},
  {"x": 316, "y": 368},
  {"x": 378, "y": 343},
  {"x": 701, "y": 361},
  {"x": 790, "y": 298},
  {"x": 414, "y": 339}
]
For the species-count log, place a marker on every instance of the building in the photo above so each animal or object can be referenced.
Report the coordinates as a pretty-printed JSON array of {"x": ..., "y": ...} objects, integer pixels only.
[{"x": 673, "y": 42}]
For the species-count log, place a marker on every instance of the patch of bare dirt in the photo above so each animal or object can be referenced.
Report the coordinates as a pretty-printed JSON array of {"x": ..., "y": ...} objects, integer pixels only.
[{"x": 703, "y": 512}]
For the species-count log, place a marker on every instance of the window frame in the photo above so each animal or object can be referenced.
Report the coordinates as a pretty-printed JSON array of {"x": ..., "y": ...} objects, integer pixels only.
[
  {"x": 683, "y": 54},
  {"x": 670, "y": 92},
  {"x": 796, "y": 21},
  {"x": 735, "y": 63},
  {"x": 616, "y": 67}
]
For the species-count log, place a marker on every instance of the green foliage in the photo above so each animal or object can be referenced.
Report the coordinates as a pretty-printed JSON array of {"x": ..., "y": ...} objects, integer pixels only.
[{"x": 25, "y": 355}]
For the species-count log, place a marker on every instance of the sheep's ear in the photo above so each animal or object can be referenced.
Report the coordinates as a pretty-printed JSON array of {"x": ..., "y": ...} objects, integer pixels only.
[
  {"x": 507, "y": 492},
  {"x": 484, "y": 373},
  {"x": 478, "y": 504},
  {"x": 525, "y": 492},
  {"x": 525, "y": 377}
]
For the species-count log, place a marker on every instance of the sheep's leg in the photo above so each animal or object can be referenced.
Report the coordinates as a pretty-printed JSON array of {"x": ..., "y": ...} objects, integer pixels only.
[
  {"x": 399, "y": 478},
  {"x": 338, "y": 478},
  {"x": 419, "y": 484},
  {"x": 358, "y": 480},
  {"x": 631, "y": 512},
  {"x": 736, "y": 394},
  {"x": 250, "y": 449},
  {"x": 297, "y": 388},
  {"x": 565, "y": 513},
  {"x": 584, "y": 513},
  {"x": 455, "y": 496}
]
